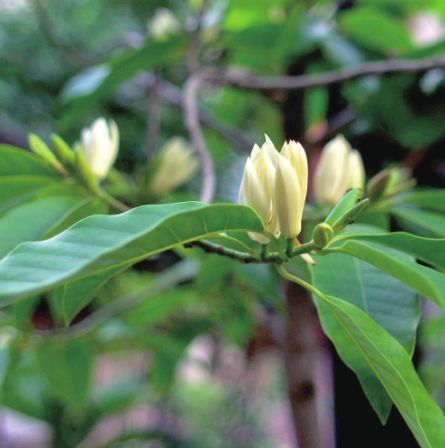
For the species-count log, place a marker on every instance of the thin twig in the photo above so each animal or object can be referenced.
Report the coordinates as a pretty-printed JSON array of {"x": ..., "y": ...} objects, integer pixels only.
[
  {"x": 245, "y": 79},
  {"x": 242, "y": 257},
  {"x": 173, "y": 95},
  {"x": 191, "y": 119}
]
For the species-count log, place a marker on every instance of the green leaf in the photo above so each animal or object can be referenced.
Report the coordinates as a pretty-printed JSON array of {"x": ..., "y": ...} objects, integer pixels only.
[
  {"x": 98, "y": 243},
  {"x": 391, "y": 304},
  {"x": 429, "y": 199},
  {"x": 96, "y": 84},
  {"x": 425, "y": 222},
  {"x": 33, "y": 219},
  {"x": 19, "y": 162},
  {"x": 86, "y": 207},
  {"x": 375, "y": 30},
  {"x": 164, "y": 362},
  {"x": 67, "y": 365},
  {"x": 393, "y": 366},
  {"x": 429, "y": 250},
  {"x": 69, "y": 299},
  {"x": 159, "y": 308},
  {"x": 22, "y": 175},
  {"x": 425, "y": 281}
]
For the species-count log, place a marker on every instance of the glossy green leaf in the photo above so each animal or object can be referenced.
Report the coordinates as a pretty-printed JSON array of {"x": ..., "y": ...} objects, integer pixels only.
[
  {"x": 425, "y": 281},
  {"x": 86, "y": 207},
  {"x": 392, "y": 365},
  {"x": 420, "y": 221},
  {"x": 101, "y": 242},
  {"x": 429, "y": 250},
  {"x": 391, "y": 304},
  {"x": 67, "y": 364}
]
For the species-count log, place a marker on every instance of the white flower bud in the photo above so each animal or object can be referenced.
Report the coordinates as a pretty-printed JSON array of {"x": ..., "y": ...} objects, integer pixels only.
[
  {"x": 176, "y": 164},
  {"x": 339, "y": 169},
  {"x": 163, "y": 24},
  {"x": 100, "y": 145},
  {"x": 275, "y": 185}
]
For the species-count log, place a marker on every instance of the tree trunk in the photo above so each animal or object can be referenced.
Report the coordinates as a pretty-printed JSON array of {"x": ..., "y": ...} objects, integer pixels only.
[{"x": 300, "y": 352}]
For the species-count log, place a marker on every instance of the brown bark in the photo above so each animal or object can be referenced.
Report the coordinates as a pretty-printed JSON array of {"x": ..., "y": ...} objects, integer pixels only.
[{"x": 300, "y": 351}]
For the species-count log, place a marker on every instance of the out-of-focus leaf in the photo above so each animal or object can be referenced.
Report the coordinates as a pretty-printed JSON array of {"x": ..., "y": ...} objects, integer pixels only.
[
  {"x": 67, "y": 365},
  {"x": 428, "y": 223},
  {"x": 164, "y": 362},
  {"x": 93, "y": 86},
  {"x": 428, "y": 199},
  {"x": 375, "y": 30}
]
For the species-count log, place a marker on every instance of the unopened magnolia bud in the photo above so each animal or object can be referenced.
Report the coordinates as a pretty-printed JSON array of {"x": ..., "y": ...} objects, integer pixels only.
[
  {"x": 100, "y": 145},
  {"x": 339, "y": 169},
  {"x": 40, "y": 148},
  {"x": 62, "y": 149},
  {"x": 83, "y": 169},
  {"x": 163, "y": 24},
  {"x": 176, "y": 163},
  {"x": 378, "y": 184},
  {"x": 322, "y": 235}
]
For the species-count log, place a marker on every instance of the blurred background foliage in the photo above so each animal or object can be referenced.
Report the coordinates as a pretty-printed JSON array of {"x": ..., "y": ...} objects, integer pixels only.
[{"x": 65, "y": 63}]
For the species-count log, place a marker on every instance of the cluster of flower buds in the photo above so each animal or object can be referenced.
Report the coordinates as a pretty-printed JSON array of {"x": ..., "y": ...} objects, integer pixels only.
[
  {"x": 175, "y": 164},
  {"x": 340, "y": 168},
  {"x": 275, "y": 185}
]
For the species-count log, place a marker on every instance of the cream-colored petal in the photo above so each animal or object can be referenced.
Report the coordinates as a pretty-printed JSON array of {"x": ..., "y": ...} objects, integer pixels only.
[
  {"x": 288, "y": 204},
  {"x": 356, "y": 170}
]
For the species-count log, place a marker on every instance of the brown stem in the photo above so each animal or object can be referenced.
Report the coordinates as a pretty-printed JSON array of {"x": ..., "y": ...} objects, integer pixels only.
[
  {"x": 300, "y": 351},
  {"x": 173, "y": 95},
  {"x": 247, "y": 80},
  {"x": 191, "y": 119}
]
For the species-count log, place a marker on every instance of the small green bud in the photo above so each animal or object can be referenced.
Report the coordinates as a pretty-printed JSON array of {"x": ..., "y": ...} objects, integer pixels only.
[
  {"x": 63, "y": 151},
  {"x": 351, "y": 215},
  {"x": 84, "y": 171},
  {"x": 322, "y": 235},
  {"x": 40, "y": 148}
]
